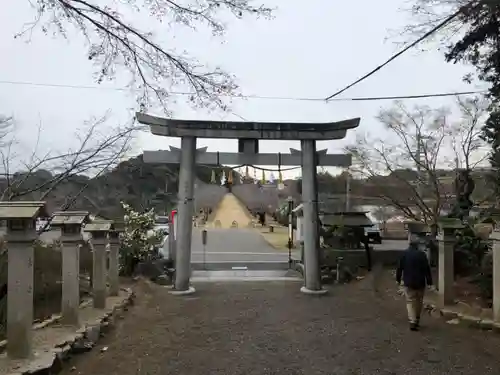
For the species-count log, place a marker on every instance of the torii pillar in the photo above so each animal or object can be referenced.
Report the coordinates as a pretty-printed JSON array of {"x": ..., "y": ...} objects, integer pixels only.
[
  {"x": 312, "y": 274},
  {"x": 248, "y": 134},
  {"x": 185, "y": 211}
]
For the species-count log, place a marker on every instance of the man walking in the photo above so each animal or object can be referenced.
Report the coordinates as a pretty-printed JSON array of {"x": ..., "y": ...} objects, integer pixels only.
[{"x": 415, "y": 271}]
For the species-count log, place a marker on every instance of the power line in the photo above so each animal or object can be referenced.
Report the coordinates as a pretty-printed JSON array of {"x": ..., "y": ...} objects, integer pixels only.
[
  {"x": 258, "y": 97},
  {"x": 394, "y": 57},
  {"x": 415, "y": 96}
]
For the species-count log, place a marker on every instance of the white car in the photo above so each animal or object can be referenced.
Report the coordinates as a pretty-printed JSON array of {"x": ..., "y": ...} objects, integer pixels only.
[{"x": 164, "y": 249}]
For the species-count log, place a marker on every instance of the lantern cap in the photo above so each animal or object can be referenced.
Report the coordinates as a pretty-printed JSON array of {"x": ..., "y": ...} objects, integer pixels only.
[
  {"x": 69, "y": 217},
  {"x": 22, "y": 210}
]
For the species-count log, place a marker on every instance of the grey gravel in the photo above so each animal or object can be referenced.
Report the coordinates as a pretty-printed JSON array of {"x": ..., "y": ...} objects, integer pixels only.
[{"x": 271, "y": 328}]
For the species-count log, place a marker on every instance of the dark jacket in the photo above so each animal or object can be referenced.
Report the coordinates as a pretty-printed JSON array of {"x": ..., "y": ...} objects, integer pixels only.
[{"x": 414, "y": 269}]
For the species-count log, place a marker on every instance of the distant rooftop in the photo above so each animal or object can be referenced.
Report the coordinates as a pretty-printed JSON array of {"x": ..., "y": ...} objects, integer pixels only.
[{"x": 247, "y": 129}]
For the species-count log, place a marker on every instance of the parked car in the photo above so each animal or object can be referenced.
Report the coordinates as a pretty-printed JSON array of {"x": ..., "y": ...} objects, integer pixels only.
[
  {"x": 164, "y": 249},
  {"x": 161, "y": 222},
  {"x": 161, "y": 226}
]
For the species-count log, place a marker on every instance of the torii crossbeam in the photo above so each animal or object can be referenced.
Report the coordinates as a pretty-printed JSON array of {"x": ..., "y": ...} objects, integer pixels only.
[
  {"x": 173, "y": 156},
  {"x": 248, "y": 135}
]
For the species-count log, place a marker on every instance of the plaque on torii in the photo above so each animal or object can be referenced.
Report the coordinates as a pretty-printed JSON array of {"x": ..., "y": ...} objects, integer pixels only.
[{"x": 248, "y": 135}]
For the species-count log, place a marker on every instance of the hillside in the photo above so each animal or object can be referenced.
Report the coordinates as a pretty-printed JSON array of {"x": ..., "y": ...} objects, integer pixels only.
[
  {"x": 143, "y": 186},
  {"x": 133, "y": 181},
  {"x": 370, "y": 190}
]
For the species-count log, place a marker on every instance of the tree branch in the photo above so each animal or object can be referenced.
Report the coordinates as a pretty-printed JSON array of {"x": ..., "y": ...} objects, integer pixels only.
[
  {"x": 92, "y": 153},
  {"x": 116, "y": 42}
]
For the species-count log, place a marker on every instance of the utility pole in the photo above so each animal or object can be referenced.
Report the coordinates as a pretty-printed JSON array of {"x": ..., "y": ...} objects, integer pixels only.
[
  {"x": 421, "y": 175},
  {"x": 419, "y": 159}
]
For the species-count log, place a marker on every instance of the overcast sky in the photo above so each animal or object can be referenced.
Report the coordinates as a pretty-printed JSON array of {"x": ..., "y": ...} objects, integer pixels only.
[{"x": 310, "y": 49}]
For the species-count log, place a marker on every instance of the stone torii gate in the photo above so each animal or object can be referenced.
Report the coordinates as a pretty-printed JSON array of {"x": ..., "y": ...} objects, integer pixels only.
[{"x": 248, "y": 135}]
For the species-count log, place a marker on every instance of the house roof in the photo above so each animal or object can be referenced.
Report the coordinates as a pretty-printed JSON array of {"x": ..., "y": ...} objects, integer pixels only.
[{"x": 347, "y": 219}]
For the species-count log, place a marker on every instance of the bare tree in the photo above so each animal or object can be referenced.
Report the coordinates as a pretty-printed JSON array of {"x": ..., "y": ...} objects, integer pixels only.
[
  {"x": 407, "y": 167},
  {"x": 465, "y": 135},
  {"x": 427, "y": 14},
  {"x": 6, "y": 125},
  {"x": 382, "y": 214},
  {"x": 99, "y": 148},
  {"x": 115, "y": 40}
]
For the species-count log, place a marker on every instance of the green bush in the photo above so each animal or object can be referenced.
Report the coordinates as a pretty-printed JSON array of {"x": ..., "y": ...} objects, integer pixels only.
[
  {"x": 139, "y": 239},
  {"x": 485, "y": 277},
  {"x": 469, "y": 251},
  {"x": 473, "y": 258}
]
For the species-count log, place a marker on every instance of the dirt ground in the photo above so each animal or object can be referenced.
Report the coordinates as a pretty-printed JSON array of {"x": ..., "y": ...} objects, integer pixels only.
[{"x": 271, "y": 328}]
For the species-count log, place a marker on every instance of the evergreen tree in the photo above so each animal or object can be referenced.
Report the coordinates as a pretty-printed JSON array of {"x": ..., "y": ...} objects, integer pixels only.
[{"x": 480, "y": 46}]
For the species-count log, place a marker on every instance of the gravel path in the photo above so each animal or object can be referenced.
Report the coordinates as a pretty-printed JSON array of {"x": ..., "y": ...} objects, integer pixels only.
[{"x": 271, "y": 328}]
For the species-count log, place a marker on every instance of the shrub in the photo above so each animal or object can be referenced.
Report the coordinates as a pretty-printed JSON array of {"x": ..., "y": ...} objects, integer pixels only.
[
  {"x": 473, "y": 257},
  {"x": 469, "y": 251},
  {"x": 139, "y": 239},
  {"x": 485, "y": 277}
]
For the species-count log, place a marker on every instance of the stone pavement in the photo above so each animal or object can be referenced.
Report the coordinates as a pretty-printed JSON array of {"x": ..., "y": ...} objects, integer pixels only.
[
  {"x": 271, "y": 328},
  {"x": 234, "y": 245}
]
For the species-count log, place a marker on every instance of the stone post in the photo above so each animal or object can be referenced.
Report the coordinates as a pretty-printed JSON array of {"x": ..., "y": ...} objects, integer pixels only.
[
  {"x": 185, "y": 217},
  {"x": 99, "y": 230},
  {"x": 70, "y": 223},
  {"x": 113, "y": 271},
  {"x": 20, "y": 234},
  {"x": 70, "y": 301},
  {"x": 99, "y": 271},
  {"x": 495, "y": 237},
  {"x": 446, "y": 272},
  {"x": 312, "y": 275},
  {"x": 299, "y": 231},
  {"x": 20, "y": 298}
]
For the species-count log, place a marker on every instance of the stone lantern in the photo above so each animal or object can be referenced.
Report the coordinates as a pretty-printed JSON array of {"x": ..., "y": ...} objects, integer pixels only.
[
  {"x": 99, "y": 230},
  {"x": 70, "y": 223},
  {"x": 446, "y": 275},
  {"x": 20, "y": 218},
  {"x": 114, "y": 257}
]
